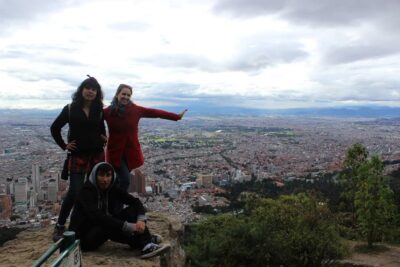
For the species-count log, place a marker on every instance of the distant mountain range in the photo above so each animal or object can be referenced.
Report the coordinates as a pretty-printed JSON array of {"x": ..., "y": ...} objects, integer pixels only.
[{"x": 197, "y": 110}]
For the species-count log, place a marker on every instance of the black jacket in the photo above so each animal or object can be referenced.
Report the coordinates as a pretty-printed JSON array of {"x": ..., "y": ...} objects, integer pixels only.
[
  {"x": 94, "y": 208},
  {"x": 85, "y": 131}
]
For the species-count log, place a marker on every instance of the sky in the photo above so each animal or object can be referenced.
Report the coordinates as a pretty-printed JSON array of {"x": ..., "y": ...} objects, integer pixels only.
[{"x": 265, "y": 54}]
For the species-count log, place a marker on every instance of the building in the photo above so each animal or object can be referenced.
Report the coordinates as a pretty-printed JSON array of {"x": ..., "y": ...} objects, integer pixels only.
[
  {"x": 3, "y": 188},
  {"x": 32, "y": 198},
  {"x": 5, "y": 207},
  {"x": 21, "y": 190},
  {"x": 36, "y": 178},
  {"x": 205, "y": 180},
  {"x": 138, "y": 183},
  {"x": 52, "y": 191},
  {"x": 10, "y": 186}
]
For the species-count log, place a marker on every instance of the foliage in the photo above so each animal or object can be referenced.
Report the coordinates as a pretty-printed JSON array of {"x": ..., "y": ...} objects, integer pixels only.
[
  {"x": 293, "y": 230},
  {"x": 374, "y": 201}
]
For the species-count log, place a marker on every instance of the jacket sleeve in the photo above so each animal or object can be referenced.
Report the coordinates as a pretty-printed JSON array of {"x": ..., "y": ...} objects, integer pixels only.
[
  {"x": 57, "y": 125},
  {"x": 158, "y": 113},
  {"x": 130, "y": 200},
  {"x": 88, "y": 202}
]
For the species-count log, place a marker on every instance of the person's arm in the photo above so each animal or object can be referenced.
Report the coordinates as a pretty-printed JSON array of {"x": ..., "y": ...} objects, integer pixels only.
[
  {"x": 162, "y": 114},
  {"x": 103, "y": 128},
  {"x": 134, "y": 202},
  {"x": 57, "y": 125}
]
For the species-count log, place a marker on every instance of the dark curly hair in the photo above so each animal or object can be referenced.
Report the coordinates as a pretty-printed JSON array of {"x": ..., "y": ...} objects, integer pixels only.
[{"x": 90, "y": 82}]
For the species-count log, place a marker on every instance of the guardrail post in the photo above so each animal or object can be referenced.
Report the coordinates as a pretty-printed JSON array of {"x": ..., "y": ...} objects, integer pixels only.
[{"x": 68, "y": 240}]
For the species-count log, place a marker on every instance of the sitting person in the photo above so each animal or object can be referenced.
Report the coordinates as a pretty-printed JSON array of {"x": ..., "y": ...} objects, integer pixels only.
[{"x": 93, "y": 220}]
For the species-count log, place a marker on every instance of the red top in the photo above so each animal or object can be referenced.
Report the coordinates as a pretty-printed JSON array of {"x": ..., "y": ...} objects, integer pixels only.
[{"x": 123, "y": 140}]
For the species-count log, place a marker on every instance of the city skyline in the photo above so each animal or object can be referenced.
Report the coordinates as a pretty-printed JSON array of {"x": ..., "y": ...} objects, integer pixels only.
[{"x": 217, "y": 53}]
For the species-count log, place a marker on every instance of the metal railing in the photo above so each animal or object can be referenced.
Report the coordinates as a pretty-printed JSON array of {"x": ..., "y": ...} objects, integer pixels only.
[{"x": 70, "y": 253}]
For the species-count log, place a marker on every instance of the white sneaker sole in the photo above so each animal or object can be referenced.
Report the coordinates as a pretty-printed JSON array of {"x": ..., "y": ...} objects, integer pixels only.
[{"x": 162, "y": 249}]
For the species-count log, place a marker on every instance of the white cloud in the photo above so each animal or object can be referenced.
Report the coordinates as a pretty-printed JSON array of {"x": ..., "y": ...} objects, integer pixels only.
[{"x": 262, "y": 54}]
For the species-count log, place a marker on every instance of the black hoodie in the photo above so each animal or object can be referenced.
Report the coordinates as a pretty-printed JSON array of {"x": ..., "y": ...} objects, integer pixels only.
[{"x": 93, "y": 207}]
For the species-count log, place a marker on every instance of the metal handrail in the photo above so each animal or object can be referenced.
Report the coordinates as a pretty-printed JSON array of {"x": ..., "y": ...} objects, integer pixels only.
[{"x": 66, "y": 245}]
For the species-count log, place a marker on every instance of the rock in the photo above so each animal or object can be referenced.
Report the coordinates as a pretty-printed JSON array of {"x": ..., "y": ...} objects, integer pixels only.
[{"x": 32, "y": 243}]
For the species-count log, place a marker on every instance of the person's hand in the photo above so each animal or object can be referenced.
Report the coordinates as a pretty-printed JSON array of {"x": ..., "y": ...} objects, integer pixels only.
[
  {"x": 182, "y": 113},
  {"x": 71, "y": 146},
  {"x": 140, "y": 226}
]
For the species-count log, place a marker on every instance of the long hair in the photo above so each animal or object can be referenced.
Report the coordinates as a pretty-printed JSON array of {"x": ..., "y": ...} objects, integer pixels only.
[
  {"x": 119, "y": 89},
  {"x": 91, "y": 82}
]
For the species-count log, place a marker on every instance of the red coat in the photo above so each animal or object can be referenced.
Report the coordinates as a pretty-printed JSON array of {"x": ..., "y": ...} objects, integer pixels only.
[{"x": 123, "y": 140}]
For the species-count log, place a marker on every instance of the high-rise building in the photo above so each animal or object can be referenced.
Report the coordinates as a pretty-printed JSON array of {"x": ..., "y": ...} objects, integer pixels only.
[
  {"x": 5, "y": 207},
  {"x": 56, "y": 177},
  {"x": 10, "y": 186},
  {"x": 21, "y": 190},
  {"x": 138, "y": 182},
  {"x": 52, "y": 191},
  {"x": 32, "y": 198},
  {"x": 35, "y": 178}
]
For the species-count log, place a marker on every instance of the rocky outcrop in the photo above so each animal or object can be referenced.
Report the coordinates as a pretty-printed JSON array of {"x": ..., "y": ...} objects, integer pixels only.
[{"x": 32, "y": 243}]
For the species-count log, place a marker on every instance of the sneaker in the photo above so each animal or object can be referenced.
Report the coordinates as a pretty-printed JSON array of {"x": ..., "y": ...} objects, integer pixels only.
[
  {"x": 156, "y": 239},
  {"x": 152, "y": 250},
  {"x": 58, "y": 232}
]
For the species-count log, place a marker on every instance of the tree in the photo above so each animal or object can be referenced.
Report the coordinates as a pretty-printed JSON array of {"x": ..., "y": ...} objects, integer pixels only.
[
  {"x": 356, "y": 155},
  {"x": 293, "y": 230},
  {"x": 374, "y": 201}
]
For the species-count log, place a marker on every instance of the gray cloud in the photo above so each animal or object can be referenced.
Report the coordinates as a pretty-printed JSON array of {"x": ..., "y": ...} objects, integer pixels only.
[
  {"x": 320, "y": 13},
  {"x": 15, "y": 11},
  {"x": 258, "y": 52},
  {"x": 376, "y": 23},
  {"x": 166, "y": 91},
  {"x": 253, "y": 54},
  {"x": 353, "y": 53}
]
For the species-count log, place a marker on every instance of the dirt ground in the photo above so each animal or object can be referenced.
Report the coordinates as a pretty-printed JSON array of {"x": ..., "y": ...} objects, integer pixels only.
[{"x": 389, "y": 257}]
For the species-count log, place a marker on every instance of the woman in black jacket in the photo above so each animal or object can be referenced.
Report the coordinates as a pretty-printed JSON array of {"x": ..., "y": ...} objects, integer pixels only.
[{"x": 86, "y": 139}]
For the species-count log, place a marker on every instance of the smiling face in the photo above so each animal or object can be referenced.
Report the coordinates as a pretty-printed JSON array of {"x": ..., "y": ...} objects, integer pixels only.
[
  {"x": 89, "y": 94},
  {"x": 103, "y": 179},
  {"x": 124, "y": 96}
]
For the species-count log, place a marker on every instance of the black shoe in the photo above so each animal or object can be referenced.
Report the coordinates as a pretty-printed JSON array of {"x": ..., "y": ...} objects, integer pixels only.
[
  {"x": 152, "y": 250},
  {"x": 58, "y": 232}
]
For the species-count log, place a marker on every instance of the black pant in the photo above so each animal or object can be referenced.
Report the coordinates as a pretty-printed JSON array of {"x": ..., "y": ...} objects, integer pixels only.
[{"x": 98, "y": 235}]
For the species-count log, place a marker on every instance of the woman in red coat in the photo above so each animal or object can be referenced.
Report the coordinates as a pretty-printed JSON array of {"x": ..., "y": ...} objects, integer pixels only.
[{"x": 123, "y": 148}]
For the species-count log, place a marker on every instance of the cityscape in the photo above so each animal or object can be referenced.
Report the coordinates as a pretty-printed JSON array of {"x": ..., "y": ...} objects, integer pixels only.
[{"x": 189, "y": 162}]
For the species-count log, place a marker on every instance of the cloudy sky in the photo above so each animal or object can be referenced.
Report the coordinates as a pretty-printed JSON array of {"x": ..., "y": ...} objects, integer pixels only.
[{"x": 243, "y": 53}]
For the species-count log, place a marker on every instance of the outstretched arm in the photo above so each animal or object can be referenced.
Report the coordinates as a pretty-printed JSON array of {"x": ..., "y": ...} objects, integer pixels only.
[{"x": 159, "y": 113}]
